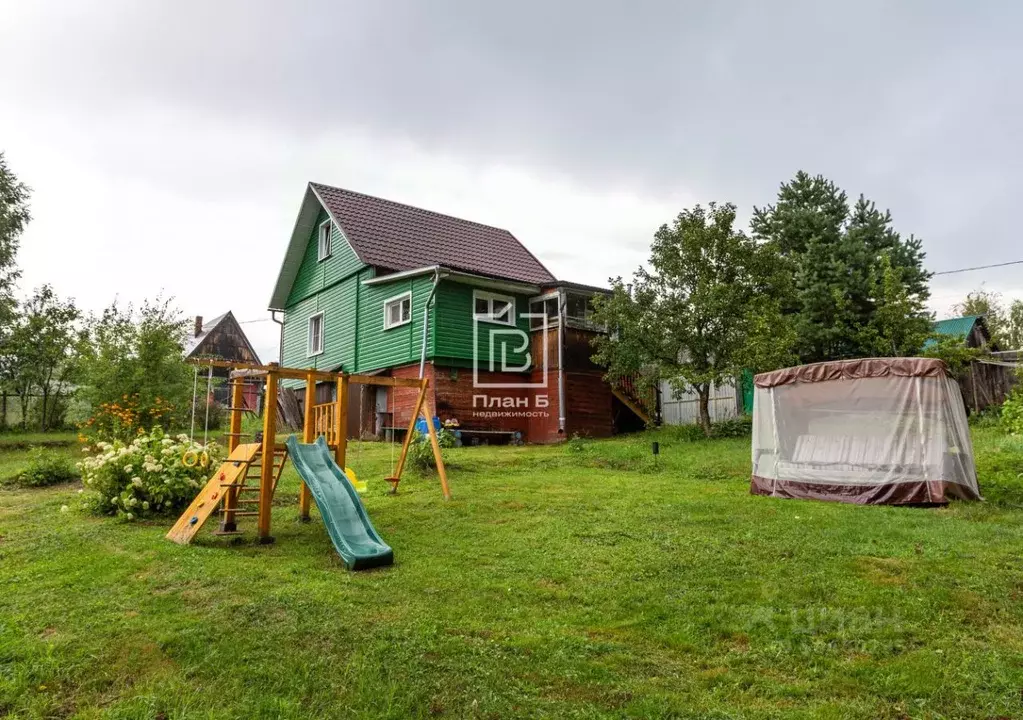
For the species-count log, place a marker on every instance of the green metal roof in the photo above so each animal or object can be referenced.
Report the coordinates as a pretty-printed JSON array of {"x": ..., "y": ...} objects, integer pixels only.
[{"x": 955, "y": 327}]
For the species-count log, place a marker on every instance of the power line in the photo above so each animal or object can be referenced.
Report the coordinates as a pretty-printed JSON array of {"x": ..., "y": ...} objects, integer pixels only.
[{"x": 979, "y": 267}]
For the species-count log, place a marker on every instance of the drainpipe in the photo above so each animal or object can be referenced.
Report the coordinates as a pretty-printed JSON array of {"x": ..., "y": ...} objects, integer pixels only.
[
  {"x": 426, "y": 322},
  {"x": 561, "y": 361},
  {"x": 280, "y": 350}
]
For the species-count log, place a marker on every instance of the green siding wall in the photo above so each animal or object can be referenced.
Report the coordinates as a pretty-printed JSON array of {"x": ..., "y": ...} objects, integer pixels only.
[
  {"x": 453, "y": 308},
  {"x": 354, "y": 337},
  {"x": 380, "y": 348},
  {"x": 314, "y": 275}
]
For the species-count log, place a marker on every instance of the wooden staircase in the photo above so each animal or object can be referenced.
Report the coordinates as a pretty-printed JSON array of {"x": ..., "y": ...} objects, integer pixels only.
[{"x": 630, "y": 396}]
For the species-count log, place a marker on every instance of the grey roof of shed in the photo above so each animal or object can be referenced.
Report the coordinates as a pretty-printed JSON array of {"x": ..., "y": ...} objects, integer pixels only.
[{"x": 398, "y": 237}]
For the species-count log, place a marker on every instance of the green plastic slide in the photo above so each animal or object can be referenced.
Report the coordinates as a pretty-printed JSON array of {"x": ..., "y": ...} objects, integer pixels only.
[{"x": 348, "y": 525}]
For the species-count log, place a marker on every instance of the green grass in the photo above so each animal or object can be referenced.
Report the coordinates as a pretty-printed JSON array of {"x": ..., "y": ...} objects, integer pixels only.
[{"x": 584, "y": 580}]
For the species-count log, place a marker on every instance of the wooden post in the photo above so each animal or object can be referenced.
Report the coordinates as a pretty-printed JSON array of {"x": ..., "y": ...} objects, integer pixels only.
[
  {"x": 266, "y": 470},
  {"x": 308, "y": 437},
  {"x": 411, "y": 427},
  {"x": 341, "y": 423},
  {"x": 227, "y": 523},
  {"x": 436, "y": 453},
  {"x": 237, "y": 400}
]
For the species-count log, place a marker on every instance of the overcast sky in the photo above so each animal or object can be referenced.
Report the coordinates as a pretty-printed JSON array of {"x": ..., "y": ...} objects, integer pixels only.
[{"x": 168, "y": 144}]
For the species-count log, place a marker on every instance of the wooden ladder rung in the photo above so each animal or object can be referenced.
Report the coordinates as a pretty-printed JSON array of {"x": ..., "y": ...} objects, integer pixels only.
[
  {"x": 245, "y": 513},
  {"x": 246, "y": 502}
]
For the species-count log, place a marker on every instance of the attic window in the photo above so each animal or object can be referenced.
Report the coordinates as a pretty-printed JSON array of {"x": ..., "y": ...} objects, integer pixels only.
[
  {"x": 315, "y": 339},
  {"x": 493, "y": 308},
  {"x": 398, "y": 311},
  {"x": 323, "y": 241}
]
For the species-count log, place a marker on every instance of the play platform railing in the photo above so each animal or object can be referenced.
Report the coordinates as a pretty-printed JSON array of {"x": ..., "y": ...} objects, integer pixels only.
[{"x": 325, "y": 421}]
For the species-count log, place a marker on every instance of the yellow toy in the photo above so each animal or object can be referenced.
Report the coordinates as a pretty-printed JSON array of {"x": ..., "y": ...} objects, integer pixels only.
[{"x": 360, "y": 486}]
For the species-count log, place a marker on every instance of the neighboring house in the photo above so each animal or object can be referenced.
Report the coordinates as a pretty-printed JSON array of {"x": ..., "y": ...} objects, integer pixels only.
[
  {"x": 223, "y": 338},
  {"x": 990, "y": 378},
  {"x": 377, "y": 287},
  {"x": 972, "y": 328}
]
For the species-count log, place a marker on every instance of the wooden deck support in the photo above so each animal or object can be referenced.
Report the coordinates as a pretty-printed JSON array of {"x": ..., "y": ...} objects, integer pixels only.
[
  {"x": 266, "y": 469},
  {"x": 308, "y": 436},
  {"x": 227, "y": 522},
  {"x": 341, "y": 425}
]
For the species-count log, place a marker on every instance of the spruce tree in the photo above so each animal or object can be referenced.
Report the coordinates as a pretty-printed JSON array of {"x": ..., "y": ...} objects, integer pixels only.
[{"x": 845, "y": 263}]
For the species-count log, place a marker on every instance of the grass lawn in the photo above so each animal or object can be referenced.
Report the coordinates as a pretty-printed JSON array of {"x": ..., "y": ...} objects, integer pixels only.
[{"x": 575, "y": 581}]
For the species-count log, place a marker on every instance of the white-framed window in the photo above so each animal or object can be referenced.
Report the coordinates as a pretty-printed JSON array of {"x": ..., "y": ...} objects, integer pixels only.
[
  {"x": 398, "y": 310},
  {"x": 545, "y": 305},
  {"x": 493, "y": 308},
  {"x": 323, "y": 240},
  {"x": 314, "y": 344}
]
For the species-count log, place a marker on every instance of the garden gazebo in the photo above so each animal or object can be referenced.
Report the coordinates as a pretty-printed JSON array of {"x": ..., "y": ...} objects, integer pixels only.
[{"x": 867, "y": 431}]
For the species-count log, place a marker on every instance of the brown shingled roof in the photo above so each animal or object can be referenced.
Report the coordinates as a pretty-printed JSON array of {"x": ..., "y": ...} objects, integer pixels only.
[{"x": 401, "y": 237}]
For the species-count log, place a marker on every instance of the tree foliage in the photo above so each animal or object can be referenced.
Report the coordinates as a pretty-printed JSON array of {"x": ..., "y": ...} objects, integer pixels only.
[
  {"x": 703, "y": 310},
  {"x": 857, "y": 287},
  {"x": 43, "y": 352},
  {"x": 135, "y": 364},
  {"x": 1005, "y": 324},
  {"x": 14, "y": 216}
]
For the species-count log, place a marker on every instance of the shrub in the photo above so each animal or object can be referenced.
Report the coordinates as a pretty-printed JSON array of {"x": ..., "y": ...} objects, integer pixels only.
[
  {"x": 47, "y": 467},
  {"x": 145, "y": 477},
  {"x": 1012, "y": 413},
  {"x": 732, "y": 428},
  {"x": 420, "y": 451}
]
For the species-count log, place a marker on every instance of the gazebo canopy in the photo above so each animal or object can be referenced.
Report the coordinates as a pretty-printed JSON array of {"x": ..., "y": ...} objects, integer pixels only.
[{"x": 873, "y": 430}]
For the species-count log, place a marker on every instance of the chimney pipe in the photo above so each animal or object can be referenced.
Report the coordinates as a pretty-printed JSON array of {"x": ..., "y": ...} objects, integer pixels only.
[{"x": 198, "y": 325}]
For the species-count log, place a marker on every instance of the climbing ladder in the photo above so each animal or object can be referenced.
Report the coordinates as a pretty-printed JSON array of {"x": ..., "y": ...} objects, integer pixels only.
[
  {"x": 243, "y": 500},
  {"x": 230, "y": 490}
]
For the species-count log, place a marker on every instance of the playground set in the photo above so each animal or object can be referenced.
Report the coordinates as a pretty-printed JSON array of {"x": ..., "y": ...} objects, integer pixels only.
[{"x": 244, "y": 484}]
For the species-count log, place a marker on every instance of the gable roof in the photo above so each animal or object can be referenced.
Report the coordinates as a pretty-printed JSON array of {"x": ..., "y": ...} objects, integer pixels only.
[
  {"x": 398, "y": 237},
  {"x": 194, "y": 342}
]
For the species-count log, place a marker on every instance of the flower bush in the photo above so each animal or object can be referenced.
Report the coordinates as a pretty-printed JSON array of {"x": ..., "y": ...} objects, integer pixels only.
[
  {"x": 145, "y": 477},
  {"x": 127, "y": 418}
]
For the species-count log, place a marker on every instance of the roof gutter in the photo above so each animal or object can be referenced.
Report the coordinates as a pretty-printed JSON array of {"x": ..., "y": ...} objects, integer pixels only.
[{"x": 511, "y": 286}]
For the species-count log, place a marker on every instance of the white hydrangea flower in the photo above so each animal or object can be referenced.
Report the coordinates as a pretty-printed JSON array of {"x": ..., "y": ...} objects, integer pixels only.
[
  {"x": 130, "y": 516},
  {"x": 64, "y": 508},
  {"x": 136, "y": 481},
  {"x": 145, "y": 505}
]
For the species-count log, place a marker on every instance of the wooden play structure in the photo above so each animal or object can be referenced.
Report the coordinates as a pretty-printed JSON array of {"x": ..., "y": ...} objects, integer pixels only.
[{"x": 244, "y": 485}]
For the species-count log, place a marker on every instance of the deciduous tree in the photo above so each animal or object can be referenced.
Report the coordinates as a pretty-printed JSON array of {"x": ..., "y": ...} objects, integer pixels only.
[{"x": 703, "y": 310}]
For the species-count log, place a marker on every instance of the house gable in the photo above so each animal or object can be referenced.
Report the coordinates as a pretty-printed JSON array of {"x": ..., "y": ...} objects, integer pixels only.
[
  {"x": 315, "y": 275},
  {"x": 221, "y": 337}
]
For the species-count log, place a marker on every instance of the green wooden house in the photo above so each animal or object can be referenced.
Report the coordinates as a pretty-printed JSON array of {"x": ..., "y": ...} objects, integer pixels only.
[{"x": 378, "y": 287}]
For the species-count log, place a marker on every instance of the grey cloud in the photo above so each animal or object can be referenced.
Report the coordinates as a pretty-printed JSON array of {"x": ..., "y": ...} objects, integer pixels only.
[{"x": 914, "y": 103}]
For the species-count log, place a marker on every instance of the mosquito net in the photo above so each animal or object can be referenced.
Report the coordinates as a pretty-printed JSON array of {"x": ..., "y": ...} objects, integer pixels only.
[{"x": 880, "y": 430}]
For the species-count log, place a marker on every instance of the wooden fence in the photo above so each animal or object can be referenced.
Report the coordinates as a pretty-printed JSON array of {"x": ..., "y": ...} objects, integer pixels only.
[{"x": 989, "y": 380}]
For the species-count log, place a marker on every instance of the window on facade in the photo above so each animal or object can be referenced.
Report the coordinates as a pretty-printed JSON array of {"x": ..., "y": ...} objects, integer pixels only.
[
  {"x": 491, "y": 307},
  {"x": 315, "y": 342},
  {"x": 398, "y": 311},
  {"x": 578, "y": 307},
  {"x": 541, "y": 307},
  {"x": 323, "y": 248}
]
